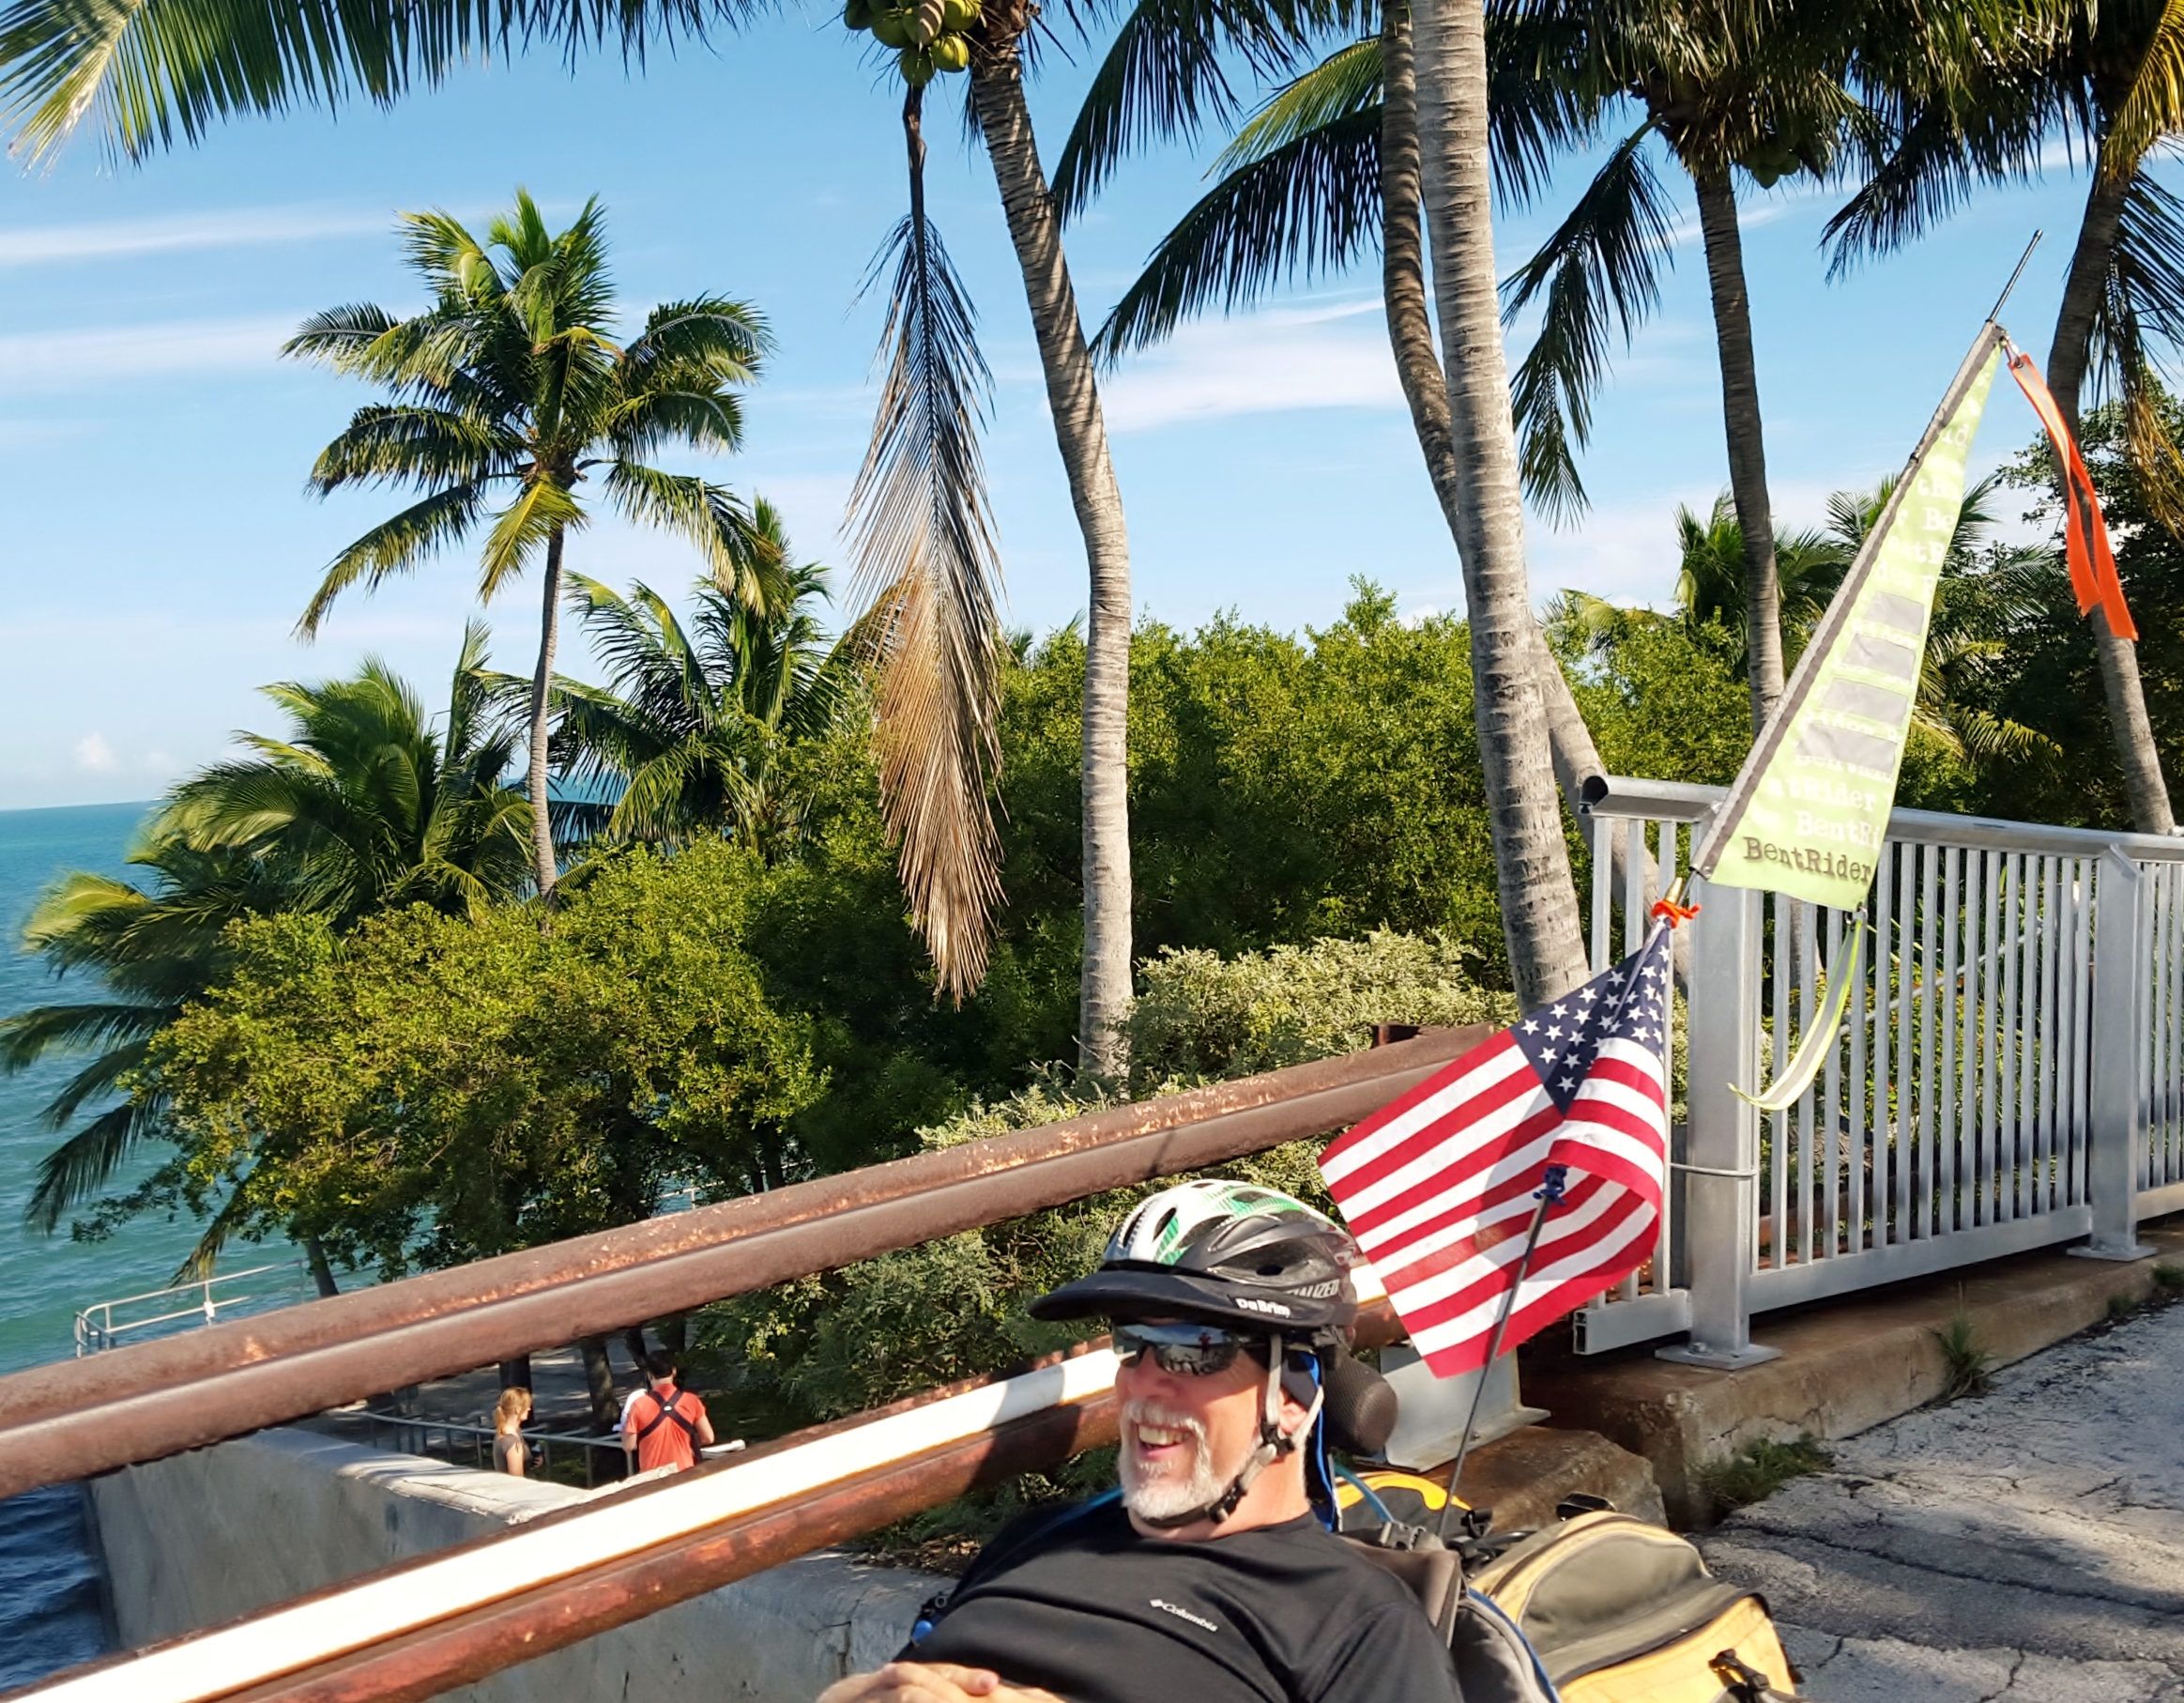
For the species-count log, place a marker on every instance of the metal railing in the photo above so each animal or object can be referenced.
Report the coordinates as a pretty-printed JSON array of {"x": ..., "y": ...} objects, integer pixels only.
[
  {"x": 458, "y": 1440},
  {"x": 1999, "y": 1085},
  {"x": 187, "y": 1306}
]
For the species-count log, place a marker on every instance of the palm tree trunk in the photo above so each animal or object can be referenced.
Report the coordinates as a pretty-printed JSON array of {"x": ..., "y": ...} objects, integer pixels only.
[
  {"x": 1577, "y": 769},
  {"x": 2135, "y": 750},
  {"x": 997, "y": 93},
  {"x": 541, "y": 692},
  {"x": 1539, "y": 916},
  {"x": 1577, "y": 762},
  {"x": 1748, "y": 456}
]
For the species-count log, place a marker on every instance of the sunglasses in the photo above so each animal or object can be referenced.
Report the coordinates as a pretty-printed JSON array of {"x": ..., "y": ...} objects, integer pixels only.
[{"x": 1188, "y": 1351}]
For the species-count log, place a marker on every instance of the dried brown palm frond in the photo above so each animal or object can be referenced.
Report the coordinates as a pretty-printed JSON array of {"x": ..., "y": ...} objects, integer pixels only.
[{"x": 927, "y": 570}]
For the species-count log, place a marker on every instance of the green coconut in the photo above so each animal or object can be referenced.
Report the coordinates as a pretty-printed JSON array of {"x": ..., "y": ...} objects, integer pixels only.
[
  {"x": 858, "y": 14},
  {"x": 958, "y": 16},
  {"x": 917, "y": 65},
  {"x": 950, "y": 53},
  {"x": 892, "y": 27}
]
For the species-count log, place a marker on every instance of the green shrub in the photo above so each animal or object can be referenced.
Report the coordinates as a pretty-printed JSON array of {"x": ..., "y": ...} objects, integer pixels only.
[
  {"x": 2121, "y": 1307},
  {"x": 1758, "y": 1470},
  {"x": 1200, "y": 1015},
  {"x": 2168, "y": 1282}
]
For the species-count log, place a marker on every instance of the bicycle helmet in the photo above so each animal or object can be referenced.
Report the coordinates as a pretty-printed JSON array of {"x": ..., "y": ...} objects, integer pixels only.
[
  {"x": 1250, "y": 1259},
  {"x": 1223, "y": 1254}
]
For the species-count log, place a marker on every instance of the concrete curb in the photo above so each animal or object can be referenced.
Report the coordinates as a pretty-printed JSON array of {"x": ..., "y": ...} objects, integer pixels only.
[{"x": 1846, "y": 1365}]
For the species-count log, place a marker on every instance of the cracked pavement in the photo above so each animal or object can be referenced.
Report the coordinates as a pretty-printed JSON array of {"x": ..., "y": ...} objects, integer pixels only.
[{"x": 2026, "y": 1544}]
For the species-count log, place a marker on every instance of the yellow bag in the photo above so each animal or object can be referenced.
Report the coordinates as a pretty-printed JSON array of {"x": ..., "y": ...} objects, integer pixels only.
[{"x": 1619, "y": 1611}]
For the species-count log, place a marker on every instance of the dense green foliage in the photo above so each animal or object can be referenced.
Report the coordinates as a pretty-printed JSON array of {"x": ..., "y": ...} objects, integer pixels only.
[
  {"x": 848, "y": 1340},
  {"x": 2053, "y": 681},
  {"x": 432, "y": 1089}
]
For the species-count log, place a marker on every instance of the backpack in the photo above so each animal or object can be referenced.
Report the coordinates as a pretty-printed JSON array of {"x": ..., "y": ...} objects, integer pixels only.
[
  {"x": 1599, "y": 1609},
  {"x": 669, "y": 1409}
]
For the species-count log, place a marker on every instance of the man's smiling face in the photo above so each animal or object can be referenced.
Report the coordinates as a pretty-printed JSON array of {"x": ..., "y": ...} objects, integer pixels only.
[{"x": 1183, "y": 1436}]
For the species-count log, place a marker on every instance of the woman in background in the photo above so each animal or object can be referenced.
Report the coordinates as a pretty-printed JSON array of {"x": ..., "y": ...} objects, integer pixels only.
[{"x": 507, "y": 1436}]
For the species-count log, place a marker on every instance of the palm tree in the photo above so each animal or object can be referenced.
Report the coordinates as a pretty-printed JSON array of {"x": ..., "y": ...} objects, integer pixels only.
[
  {"x": 1974, "y": 96},
  {"x": 687, "y": 729},
  {"x": 152, "y": 70},
  {"x": 1987, "y": 594},
  {"x": 1540, "y": 915},
  {"x": 1004, "y": 122},
  {"x": 1329, "y": 163},
  {"x": 927, "y": 559},
  {"x": 508, "y": 393},
  {"x": 366, "y": 806},
  {"x": 360, "y": 807},
  {"x": 1712, "y": 563},
  {"x": 1726, "y": 87}
]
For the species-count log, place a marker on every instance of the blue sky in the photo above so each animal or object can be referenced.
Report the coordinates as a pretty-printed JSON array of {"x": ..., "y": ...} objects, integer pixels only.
[{"x": 158, "y": 542}]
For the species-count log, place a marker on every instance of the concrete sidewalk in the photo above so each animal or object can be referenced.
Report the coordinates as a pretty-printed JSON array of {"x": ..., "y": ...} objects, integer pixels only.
[{"x": 2027, "y": 1545}]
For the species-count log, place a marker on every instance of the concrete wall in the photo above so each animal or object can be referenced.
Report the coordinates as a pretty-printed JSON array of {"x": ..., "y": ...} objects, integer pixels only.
[{"x": 203, "y": 1537}]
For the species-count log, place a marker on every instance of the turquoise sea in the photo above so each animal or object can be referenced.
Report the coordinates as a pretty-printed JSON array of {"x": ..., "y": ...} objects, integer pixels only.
[{"x": 50, "y": 1610}]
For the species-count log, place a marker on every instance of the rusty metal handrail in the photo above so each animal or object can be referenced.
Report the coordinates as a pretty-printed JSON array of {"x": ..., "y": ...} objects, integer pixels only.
[
  {"x": 453, "y": 1634},
  {"x": 141, "y": 1403}
]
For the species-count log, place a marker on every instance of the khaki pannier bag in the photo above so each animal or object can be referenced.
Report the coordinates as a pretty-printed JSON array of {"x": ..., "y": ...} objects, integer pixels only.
[
  {"x": 1619, "y": 1611},
  {"x": 1600, "y": 1608}
]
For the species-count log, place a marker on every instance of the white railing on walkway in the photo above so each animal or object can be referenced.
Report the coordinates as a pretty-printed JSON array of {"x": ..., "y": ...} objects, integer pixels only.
[
  {"x": 185, "y": 1306},
  {"x": 1999, "y": 1085}
]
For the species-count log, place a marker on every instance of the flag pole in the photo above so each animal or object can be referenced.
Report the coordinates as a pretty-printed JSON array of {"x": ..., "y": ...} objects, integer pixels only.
[{"x": 1548, "y": 1192}]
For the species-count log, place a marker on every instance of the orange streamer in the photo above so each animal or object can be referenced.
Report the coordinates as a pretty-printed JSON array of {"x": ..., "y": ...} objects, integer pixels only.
[
  {"x": 1676, "y": 915},
  {"x": 2093, "y": 574}
]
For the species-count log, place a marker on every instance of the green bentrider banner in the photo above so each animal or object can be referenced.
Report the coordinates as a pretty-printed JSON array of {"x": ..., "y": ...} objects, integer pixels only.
[{"x": 1809, "y": 808}]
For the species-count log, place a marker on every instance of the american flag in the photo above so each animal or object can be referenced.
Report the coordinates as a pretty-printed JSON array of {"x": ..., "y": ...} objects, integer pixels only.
[{"x": 1439, "y": 1187}]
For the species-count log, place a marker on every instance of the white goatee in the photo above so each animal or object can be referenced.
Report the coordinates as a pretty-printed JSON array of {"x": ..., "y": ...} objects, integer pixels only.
[{"x": 1165, "y": 1492}]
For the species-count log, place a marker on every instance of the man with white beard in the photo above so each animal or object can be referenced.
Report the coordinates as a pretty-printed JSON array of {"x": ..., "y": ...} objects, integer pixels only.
[{"x": 1211, "y": 1575}]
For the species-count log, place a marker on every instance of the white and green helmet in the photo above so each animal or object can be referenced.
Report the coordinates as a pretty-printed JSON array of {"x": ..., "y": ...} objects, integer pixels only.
[{"x": 1227, "y": 1253}]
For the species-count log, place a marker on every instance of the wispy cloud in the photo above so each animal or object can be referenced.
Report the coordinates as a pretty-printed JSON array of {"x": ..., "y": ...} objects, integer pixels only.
[
  {"x": 53, "y": 362},
  {"x": 95, "y": 756},
  {"x": 1330, "y": 357},
  {"x": 238, "y": 227}
]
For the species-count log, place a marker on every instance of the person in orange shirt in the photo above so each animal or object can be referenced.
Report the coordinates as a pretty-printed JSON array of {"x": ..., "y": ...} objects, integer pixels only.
[{"x": 665, "y": 1426}]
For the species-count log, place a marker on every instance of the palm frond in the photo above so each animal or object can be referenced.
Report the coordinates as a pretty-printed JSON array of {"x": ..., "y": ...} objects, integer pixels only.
[
  {"x": 2153, "y": 109},
  {"x": 522, "y": 528},
  {"x": 1162, "y": 78},
  {"x": 28, "y": 1037},
  {"x": 1345, "y": 83},
  {"x": 395, "y": 546},
  {"x": 154, "y": 71},
  {"x": 1313, "y": 204},
  {"x": 86, "y": 1161},
  {"x": 1606, "y": 254},
  {"x": 1542, "y": 101},
  {"x": 2144, "y": 298},
  {"x": 405, "y": 444},
  {"x": 718, "y": 336},
  {"x": 711, "y": 517},
  {"x": 922, "y": 533}
]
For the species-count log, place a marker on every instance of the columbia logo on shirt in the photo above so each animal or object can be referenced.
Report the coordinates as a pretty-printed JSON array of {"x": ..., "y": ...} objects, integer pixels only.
[{"x": 1184, "y": 1614}]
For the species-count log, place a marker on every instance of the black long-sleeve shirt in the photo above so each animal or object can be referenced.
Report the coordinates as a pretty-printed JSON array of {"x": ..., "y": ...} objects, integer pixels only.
[{"x": 1095, "y": 1613}]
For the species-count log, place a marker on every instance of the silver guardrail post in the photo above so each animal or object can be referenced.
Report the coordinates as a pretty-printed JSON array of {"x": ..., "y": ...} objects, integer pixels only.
[
  {"x": 2118, "y": 1137},
  {"x": 1720, "y": 1171}
]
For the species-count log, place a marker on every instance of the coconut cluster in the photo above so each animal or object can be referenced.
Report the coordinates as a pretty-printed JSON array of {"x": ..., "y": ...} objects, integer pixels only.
[{"x": 928, "y": 37}]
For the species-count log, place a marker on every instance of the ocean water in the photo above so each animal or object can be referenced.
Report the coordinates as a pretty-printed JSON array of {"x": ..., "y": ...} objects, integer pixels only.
[{"x": 50, "y": 1609}]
